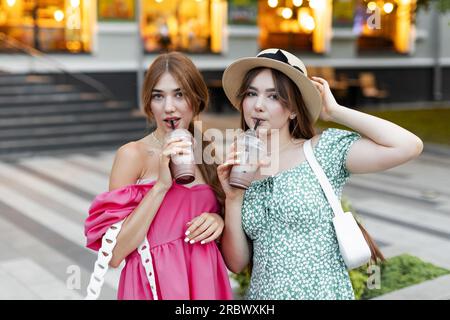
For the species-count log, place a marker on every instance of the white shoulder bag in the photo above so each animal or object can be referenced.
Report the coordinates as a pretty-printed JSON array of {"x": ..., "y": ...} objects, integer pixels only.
[{"x": 352, "y": 244}]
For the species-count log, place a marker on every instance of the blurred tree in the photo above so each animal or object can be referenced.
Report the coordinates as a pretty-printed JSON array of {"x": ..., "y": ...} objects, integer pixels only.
[{"x": 442, "y": 5}]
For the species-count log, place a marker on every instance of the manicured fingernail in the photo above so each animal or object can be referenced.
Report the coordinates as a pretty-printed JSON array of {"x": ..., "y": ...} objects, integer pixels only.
[
  {"x": 202, "y": 242},
  {"x": 186, "y": 239},
  {"x": 192, "y": 241},
  {"x": 187, "y": 232}
]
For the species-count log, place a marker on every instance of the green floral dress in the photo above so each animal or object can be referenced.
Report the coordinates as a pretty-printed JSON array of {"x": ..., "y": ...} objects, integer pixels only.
[{"x": 289, "y": 221}]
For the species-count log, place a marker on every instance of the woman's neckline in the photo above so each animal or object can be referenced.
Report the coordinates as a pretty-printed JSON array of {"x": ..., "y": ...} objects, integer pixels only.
[{"x": 298, "y": 166}]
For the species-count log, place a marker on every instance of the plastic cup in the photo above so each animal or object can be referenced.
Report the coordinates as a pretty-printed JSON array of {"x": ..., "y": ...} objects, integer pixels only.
[
  {"x": 250, "y": 148},
  {"x": 182, "y": 166}
]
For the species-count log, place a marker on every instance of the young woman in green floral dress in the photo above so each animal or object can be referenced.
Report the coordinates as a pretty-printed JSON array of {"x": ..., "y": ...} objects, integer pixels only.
[{"x": 282, "y": 223}]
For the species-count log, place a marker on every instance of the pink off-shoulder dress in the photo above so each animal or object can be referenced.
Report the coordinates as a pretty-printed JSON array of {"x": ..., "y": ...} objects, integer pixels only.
[{"x": 183, "y": 271}]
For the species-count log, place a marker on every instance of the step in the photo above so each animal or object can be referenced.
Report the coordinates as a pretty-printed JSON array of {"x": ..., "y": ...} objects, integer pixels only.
[
  {"x": 9, "y": 101},
  {"x": 17, "y": 79},
  {"x": 80, "y": 129},
  {"x": 27, "y": 89},
  {"x": 90, "y": 149},
  {"x": 58, "y": 109},
  {"x": 67, "y": 142},
  {"x": 70, "y": 119}
]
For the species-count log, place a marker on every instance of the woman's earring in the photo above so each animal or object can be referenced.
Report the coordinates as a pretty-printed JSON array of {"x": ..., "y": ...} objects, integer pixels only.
[{"x": 292, "y": 116}]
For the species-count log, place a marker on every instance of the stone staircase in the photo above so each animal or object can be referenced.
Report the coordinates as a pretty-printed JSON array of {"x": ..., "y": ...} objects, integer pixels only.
[{"x": 40, "y": 116}]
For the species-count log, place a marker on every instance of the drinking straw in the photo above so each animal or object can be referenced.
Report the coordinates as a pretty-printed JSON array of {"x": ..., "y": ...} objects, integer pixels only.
[{"x": 256, "y": 124}]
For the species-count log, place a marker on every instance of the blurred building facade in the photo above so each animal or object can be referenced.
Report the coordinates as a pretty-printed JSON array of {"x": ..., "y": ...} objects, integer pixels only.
[{"x": 402, "y": 54}]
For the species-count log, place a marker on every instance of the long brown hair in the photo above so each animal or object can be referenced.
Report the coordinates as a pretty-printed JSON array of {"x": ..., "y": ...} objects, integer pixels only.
[
  {"x": 301, "y": 127},
  {"x": 194, "y": 88}
]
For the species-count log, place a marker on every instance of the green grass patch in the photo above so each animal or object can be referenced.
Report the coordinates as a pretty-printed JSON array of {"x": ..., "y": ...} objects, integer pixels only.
[
  {"x": 396, "y": 273},
  {"x": 431, "y": 125}
]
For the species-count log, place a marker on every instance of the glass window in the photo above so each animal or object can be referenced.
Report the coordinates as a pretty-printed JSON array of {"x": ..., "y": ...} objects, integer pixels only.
[
  {"x": 242, "y": 12},
  {"x": 343, "y": 11},
  {"x": 185, "y": 25},
  {"x": 116, "y": 10},
  {"x": 385, "y": 25},
  {"x": 296, "y": 25},
  {"x": 47, "y": 25}
]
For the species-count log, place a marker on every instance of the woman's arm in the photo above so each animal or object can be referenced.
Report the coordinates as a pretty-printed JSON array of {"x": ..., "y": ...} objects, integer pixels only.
[
  {"x": 384, "y": 144},
  {"x": 236, "y": 249},
  {"x": 126, "y": 170}
]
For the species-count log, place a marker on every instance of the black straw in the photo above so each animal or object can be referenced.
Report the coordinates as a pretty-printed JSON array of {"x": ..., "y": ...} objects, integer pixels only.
[
  {"x": 256, "y": 124},
  {"x": 172, "y": 124}
]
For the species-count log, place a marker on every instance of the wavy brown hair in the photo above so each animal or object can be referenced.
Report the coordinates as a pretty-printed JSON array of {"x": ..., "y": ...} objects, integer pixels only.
[
  {"x": 301, "y": 127},
  {"x": 196, "y": 92}
]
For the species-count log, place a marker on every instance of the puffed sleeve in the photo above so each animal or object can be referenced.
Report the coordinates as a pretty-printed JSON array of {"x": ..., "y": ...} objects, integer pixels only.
[
  {"x": 108, "y": 208},
  {"x": 332, "y": 151}
]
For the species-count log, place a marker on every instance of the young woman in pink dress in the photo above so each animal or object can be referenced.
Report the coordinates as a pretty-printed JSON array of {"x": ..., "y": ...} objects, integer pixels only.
[{"x": 179, "y": 222}]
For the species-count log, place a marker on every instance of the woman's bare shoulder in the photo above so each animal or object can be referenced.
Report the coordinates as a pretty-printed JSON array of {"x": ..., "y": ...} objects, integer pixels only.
[
  {"x": 128, "y": 165},
  {"x": 131, "y": 151}
]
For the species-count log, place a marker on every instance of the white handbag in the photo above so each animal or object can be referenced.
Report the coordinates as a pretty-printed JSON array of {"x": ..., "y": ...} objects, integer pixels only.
[{"x": 352, "y": 244}]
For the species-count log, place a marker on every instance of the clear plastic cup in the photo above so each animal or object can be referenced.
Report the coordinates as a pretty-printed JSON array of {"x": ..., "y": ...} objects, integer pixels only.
[
  {"x": 250, "y": 149},
  {"x": 182, "y": 166}
]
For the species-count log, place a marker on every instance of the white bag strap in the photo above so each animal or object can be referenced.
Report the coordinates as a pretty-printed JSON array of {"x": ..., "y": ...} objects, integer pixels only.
[
  {"x": 104, "y": 256},
  {"x": 109, "y": 241},
  {"x": 147, "y": 262},
  {"x": 323, "y": 180}
]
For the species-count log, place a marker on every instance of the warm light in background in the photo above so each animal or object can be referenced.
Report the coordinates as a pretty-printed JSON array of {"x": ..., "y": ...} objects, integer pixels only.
[
  {"x": 388, "y": 7},
  {"x": 58, "y": 15},
  {"x": 297, "y": 3},
  {"x": 74, "y": 3},
  {"x": 317, "y": 4},
  {"x": 286, "y": 13},
  {"x": 272, "y": 3},
  {"x": 305, "y": 20},
  {"x": 11, "y": 3},
  {"x": 372, "y": 6},
  {"x": 309, "y": 23}
]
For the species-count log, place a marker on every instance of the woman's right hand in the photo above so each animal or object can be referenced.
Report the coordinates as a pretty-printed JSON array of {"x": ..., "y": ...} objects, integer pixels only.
[
  {"x": 171, "y": 147},
  {"x": 223, "y": 173}
]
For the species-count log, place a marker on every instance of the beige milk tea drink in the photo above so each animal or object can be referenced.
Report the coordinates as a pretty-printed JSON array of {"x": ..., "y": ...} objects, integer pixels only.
[
  {"x": 250, "y": 149},
  {"x": 182, "y": 166}
]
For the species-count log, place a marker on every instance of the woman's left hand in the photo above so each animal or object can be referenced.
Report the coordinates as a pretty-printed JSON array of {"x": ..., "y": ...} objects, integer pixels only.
[
  {"x": 204, "y": 228},
  {"x": 329, "y": 104}
]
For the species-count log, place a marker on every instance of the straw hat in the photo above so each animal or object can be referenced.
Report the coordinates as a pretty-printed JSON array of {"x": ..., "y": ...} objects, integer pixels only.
[{"x": 282, "y": 61}]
